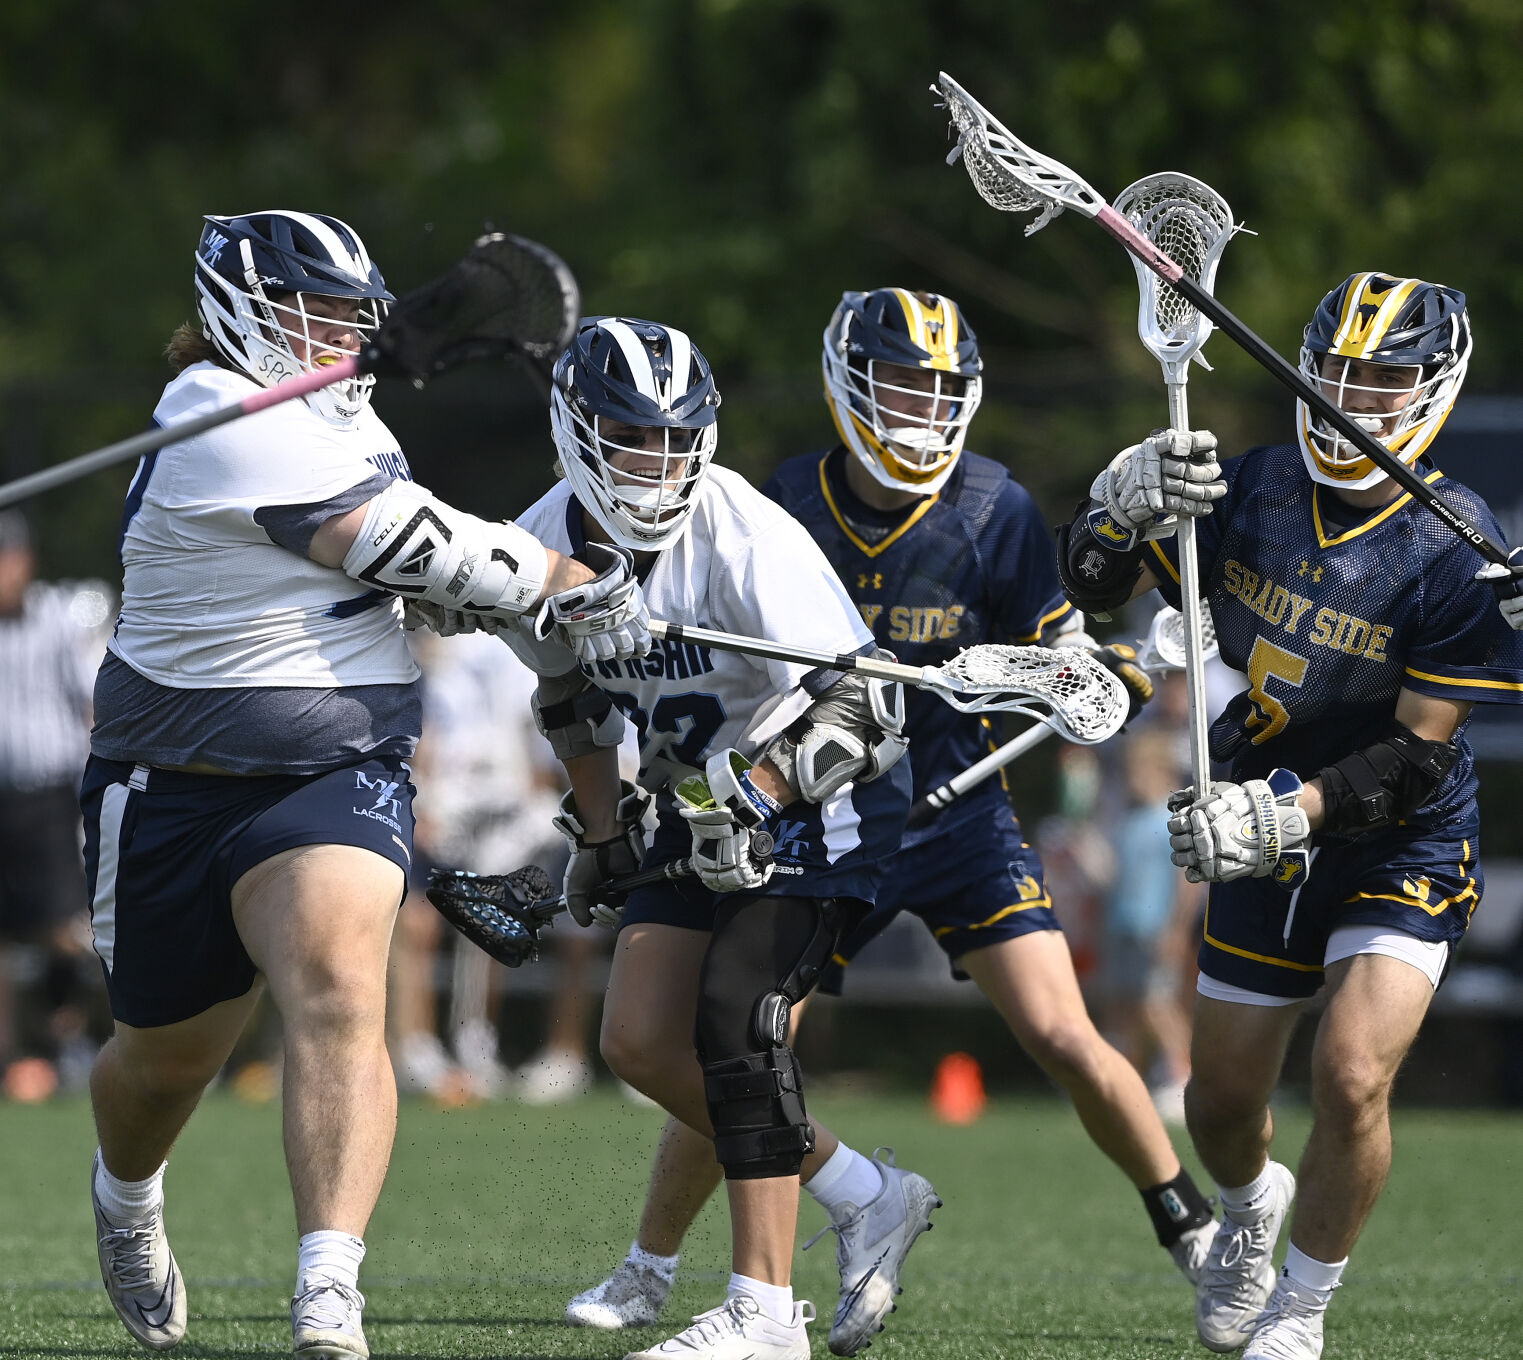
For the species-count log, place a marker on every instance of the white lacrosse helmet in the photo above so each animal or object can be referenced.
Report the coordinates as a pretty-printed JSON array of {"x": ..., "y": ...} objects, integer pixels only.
[
  {"x": 1421, "y": 330},
  {"x": 640, "y": 394},
  {"x": 871, "y": 339},
  {"x": 254, "y": 275}
]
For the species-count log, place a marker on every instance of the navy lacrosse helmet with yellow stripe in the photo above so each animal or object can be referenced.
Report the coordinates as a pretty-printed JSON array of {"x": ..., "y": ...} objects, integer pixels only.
[
  {"x": 902, "y": 382},
  {"x": 1418, "y": 336}
]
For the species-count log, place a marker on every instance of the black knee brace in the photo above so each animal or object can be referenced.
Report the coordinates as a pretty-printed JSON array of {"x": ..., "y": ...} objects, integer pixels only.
[
  {"x": 756, "y": 1102},
  {"x": 771, "y": 949}
]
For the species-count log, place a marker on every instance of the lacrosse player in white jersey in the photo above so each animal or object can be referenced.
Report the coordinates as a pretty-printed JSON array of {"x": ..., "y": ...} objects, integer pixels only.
[
  {"x": 247, "y": 801},
  {"x": 730, "y": 746}
]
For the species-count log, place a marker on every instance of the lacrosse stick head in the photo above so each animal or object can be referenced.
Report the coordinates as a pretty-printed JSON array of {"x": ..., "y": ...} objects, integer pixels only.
[
  {"x": 508, "y": 297},
  {"x": 501, "y": 914},
  {"x": 1164, "y": 647},
  {"x": 1007, "y": 173},
  {"x": 1065, "y": 687},
  {"x": 1190, "y": 223}
]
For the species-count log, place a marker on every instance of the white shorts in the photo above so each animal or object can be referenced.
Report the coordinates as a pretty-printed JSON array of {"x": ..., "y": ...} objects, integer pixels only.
[{"x": 1427, "y": 957}]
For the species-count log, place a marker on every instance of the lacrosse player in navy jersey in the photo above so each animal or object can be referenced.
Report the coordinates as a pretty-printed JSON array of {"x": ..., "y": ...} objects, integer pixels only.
[
  {"x": 247, "y": 802},
  {"x": 1342, "y": 852},
  {"x": 730, "y": 746},
  {"x": 939, "y": 550}
]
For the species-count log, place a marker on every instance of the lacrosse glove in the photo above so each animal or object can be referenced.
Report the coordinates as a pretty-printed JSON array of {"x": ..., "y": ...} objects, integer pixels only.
[
  {"x": 594, "y": 863},
  {"x": 1256, "y": 829},
  {"x": 1507, "y": 586},
  {"x": 604, "y": 619},
  {"x": 725, "y": 810},
  {"x": 1146, "y": 487},
  {"x": 446, "y": 622}
]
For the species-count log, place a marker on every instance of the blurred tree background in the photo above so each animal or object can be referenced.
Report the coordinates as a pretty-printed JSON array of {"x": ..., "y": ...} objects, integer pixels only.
[{"x": 730, "y": 166}]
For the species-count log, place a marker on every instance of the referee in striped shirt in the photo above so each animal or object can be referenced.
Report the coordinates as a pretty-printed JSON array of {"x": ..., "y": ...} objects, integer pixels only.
[{"x": 47, "y": 636}]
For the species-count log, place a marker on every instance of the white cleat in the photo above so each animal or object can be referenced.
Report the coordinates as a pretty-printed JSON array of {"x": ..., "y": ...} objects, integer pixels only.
[
  {"x": 141, "y": 1278},
  {"x": 1290, "y": 1327},
  {"x": 1238, "y": 1276},
  {"x": 871, "y": 1244},
  {"x": 632, "y": 1296},
  {"x": 737, "y": 1330},
  {"x": 325, "y": 1322},
  {"x": 1192, "y": 1248}
]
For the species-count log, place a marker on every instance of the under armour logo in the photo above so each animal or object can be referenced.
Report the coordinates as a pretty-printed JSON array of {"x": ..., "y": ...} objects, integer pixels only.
[
  {"x": 870, "y": 579},
  {"x": 1314, "y": 572}
]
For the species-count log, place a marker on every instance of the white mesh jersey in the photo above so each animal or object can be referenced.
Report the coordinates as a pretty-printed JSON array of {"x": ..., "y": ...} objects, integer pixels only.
[
  {"x": 744, "y": 566},
  {"x": 208, "y": 600}
]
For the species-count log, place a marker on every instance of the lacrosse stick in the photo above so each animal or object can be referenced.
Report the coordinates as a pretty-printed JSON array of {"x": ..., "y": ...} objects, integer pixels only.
[
  {"x": 508, "y": 297},
  {"x": 1162, "y": 650},
  {"x": 1065, "y": 687},
  {"x": 503, "y": 914},
  {"x": 1192, "y": 223},
  {"x": 1012, "y": 177}
]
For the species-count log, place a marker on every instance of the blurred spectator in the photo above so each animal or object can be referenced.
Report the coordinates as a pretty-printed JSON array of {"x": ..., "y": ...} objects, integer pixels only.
[
  {"x": 488, "y": 787},
  {"x": 51, "y": 640},
  {"x": 1150, "y": 921}
]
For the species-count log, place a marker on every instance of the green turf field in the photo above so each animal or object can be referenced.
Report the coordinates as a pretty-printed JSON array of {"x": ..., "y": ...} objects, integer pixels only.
[{"x": 494, "y": 1216}]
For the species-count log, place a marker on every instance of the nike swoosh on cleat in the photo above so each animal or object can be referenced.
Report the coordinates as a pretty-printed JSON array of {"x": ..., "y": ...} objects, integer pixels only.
[{"x": 158, "y": 1312}]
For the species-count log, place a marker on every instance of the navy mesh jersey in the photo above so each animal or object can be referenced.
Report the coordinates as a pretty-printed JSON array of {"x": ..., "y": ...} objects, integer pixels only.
[
  {"x": 972, "y": 563},
  {"x": 1330, "y": 615}
]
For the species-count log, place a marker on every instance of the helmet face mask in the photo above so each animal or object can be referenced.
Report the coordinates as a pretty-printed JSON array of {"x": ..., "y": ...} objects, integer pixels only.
[
  {"x": 633, "y": 411},
  {"x": 902, "y": 380},
  {"x": 279, "y": 290},
  {"x": 1392, "y": 353}
]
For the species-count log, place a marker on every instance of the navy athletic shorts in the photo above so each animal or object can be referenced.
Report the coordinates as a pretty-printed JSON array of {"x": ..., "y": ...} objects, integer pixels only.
[
  {"x": 163, "y": 849},
  {"x": 974, "y": 884},
  {"x": 1263, "y": 939}
]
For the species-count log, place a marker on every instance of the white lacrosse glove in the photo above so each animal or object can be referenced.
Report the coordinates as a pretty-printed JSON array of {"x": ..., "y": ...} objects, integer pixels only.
[
  {"x": 604, "y": 619},
  {"x": 1507, "y": 585},
  {"x": 446, "y": 622},
  {"x": 725, "y": 810},
  {"x": 1146, "y": 487},
  {"x": 1255, "y": 829},
  {"x": 594, "y": 863}
]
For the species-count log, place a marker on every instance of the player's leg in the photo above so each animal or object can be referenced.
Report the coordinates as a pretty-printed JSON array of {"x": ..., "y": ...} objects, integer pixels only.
[
  {"x": 1031, "y": 981},
  {"x": 1375, "y": 1006},
  {"x": 144, "y": 1086},
  {"x": 648, "y": 1011},
  {"x": 181, "y": 989},
  {"x": 1237, "y": 1050},
  {"x": 763, "y": 955},
  {"x": 317, "y": 920}
]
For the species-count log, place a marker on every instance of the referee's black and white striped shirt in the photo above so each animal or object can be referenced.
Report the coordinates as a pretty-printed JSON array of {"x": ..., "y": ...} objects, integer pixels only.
[{"x": 48, "y": 658}]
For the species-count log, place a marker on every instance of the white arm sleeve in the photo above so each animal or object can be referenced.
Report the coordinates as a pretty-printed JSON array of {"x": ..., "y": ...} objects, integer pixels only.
[{"x": 416, "y": 546}]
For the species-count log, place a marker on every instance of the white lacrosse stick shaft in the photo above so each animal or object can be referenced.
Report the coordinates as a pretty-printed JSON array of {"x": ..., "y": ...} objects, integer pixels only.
[{"x": 1189, "y": 595}]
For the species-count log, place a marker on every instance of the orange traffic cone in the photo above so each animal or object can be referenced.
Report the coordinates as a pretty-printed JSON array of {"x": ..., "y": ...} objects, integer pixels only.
[{"x": 957, "y": 1090}]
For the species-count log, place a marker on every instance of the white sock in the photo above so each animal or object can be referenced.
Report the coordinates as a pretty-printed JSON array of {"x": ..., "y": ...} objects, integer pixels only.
[
  {"x": 776, "y": 1299},
  {"x": 1320, "y": 1277},
  {"x": 1246, "y": 1203},
  {"x": 328, "y": 1255},
  {"x": 847, "y": 1178},
  {"x": 128, "y": 1201},
  {"x": 664, "y": 1266}
]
